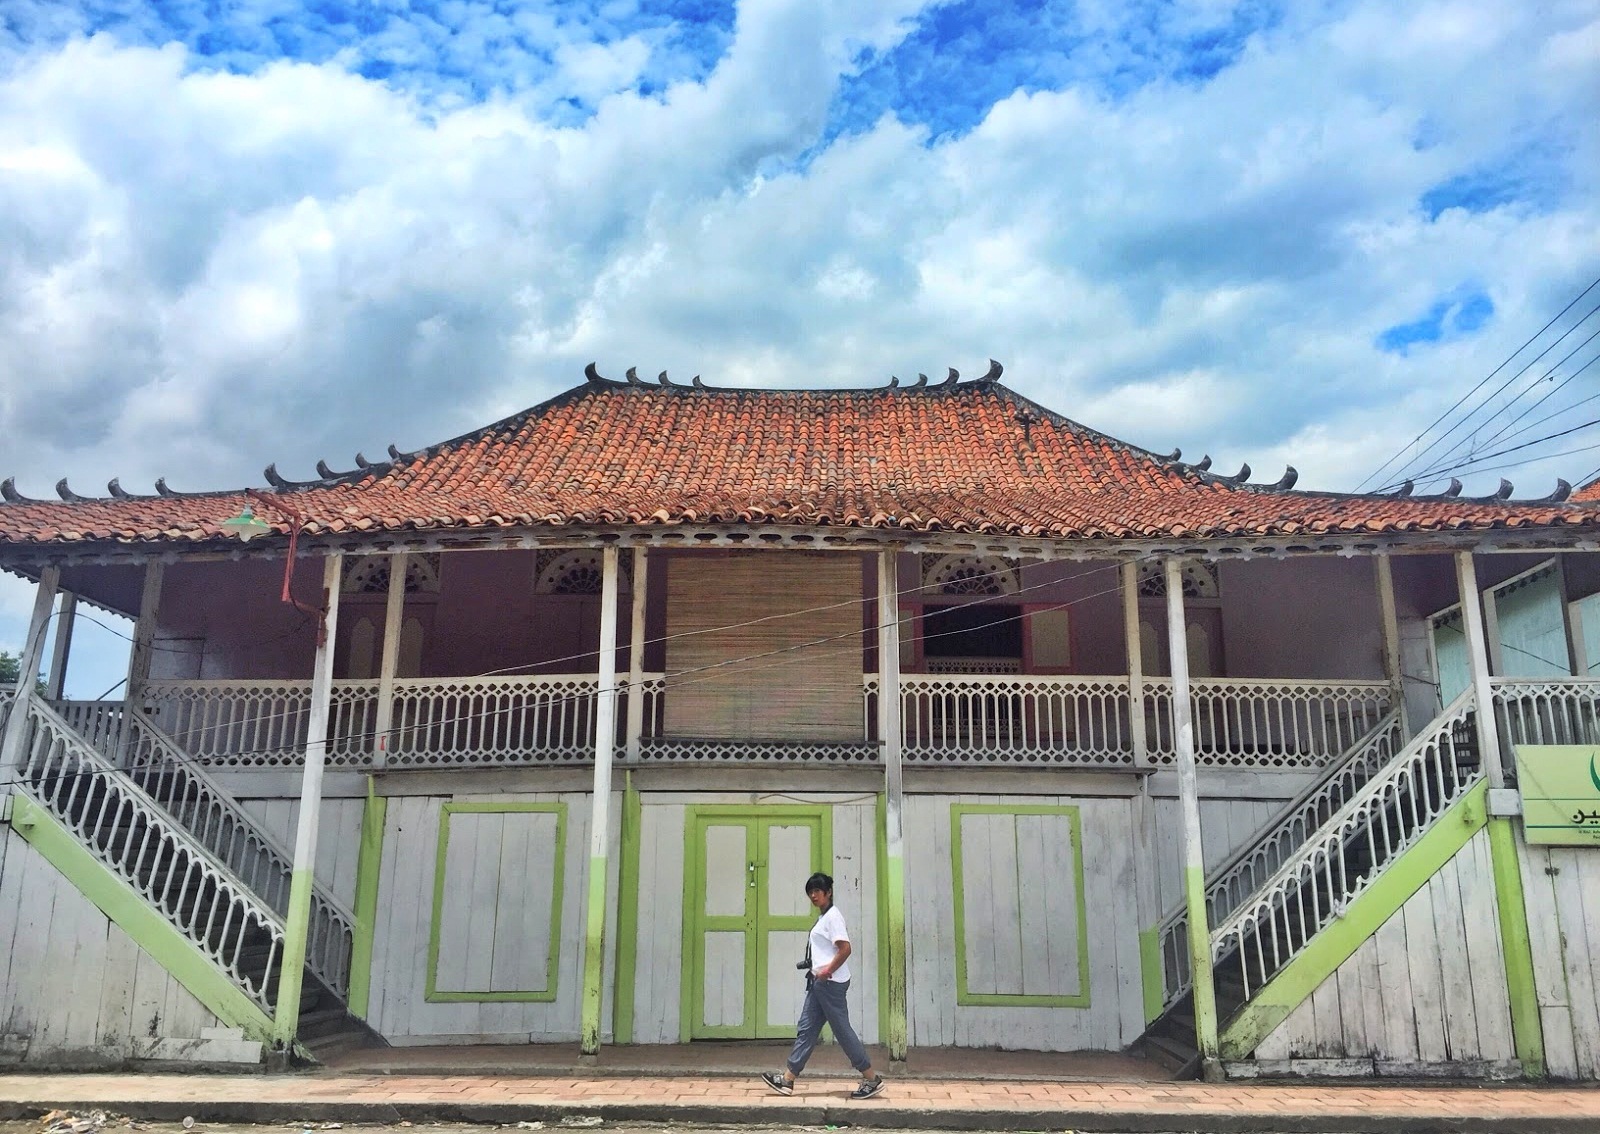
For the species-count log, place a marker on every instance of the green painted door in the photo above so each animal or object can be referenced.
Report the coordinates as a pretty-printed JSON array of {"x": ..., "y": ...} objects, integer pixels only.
[{"x": 748, "y": 916}]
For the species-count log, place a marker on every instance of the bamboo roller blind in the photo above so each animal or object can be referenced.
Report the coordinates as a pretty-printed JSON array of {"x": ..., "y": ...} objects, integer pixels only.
[{"x": 810, "y": 692}]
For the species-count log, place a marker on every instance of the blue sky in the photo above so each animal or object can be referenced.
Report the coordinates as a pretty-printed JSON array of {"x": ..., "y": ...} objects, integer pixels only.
[{"x": 269, "y": 232}]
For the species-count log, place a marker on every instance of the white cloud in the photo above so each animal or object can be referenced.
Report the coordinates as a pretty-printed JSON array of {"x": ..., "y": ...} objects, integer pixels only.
[{"x": 202, "y": 272}]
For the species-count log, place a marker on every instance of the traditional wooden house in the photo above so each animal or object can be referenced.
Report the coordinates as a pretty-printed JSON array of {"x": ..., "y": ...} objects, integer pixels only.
[{"x": 533, "y": 735}]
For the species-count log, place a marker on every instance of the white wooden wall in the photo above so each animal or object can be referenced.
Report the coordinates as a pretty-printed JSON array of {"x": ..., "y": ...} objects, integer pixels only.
[
  {"x": 74, "y": 988},
  {"x": 1114, "y": 1016},
  {"x": 1561, "y": 886},
  {"x": 1428, "y": 988},
  {"x": 338, "y": 838},
  {"x": 399, "y": 1009},
  {"x": 658, "y": 980}
]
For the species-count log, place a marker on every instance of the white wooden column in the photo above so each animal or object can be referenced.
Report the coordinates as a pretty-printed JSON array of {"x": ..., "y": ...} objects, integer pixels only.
[
  {"x": 27, "y": 674},
  {"x": 1391, "y": 637},
  {"x": 1146, "y": 894},
  {"x": 1194, "y": 869},
  {"x": 297, "y": 923},
  {"x": 636, "y": 695},
  {"x": 890, "y": 735},
  {"x": 61, "y": 650},
  {"x": 1478, "y": 666},
  {"x": 393, "y": 624},
  {"x": 144, "y": 633},
  {"x": 605, "y": 731},
  {"x": 139, "y": 657}
]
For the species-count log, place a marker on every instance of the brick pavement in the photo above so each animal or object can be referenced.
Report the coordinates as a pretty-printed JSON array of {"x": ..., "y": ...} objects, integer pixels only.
[{"x": 928, "y": 1104}]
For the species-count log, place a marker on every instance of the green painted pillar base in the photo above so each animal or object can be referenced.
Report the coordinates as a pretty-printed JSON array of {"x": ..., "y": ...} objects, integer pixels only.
[
  {"x": 286, "y": 1013},
  {"x": 895, "y": 1026},
  {"x": 594, "y": 950},
  {"x": 1527, "y": 1029}
]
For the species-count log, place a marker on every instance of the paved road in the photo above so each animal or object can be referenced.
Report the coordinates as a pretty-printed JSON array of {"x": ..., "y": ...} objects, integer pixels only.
[{"x": 86, "y": 1123}]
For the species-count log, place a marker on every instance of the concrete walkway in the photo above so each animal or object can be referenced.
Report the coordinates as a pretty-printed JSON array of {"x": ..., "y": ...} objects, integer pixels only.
[{"x": 954, "y": 1104}]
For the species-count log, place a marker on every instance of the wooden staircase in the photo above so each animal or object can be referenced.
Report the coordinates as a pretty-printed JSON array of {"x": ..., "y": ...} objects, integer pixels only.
[
  {"x": 134, "y": 824},
  {"x": 1288, "y": 909}
]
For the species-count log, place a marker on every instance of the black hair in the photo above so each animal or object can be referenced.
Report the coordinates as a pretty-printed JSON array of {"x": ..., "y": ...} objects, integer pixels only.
[{"x": 819, "y": 881}]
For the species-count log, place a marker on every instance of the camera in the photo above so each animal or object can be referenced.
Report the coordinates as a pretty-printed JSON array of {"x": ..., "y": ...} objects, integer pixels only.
[{"x": 805, "y": 964}]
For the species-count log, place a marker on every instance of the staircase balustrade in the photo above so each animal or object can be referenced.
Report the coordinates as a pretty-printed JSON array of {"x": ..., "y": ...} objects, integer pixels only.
[
  {"x": 134, "y": 837},
  {"x": 174, "y": 780},
  {"x": 1385, "y": 816},
  {"x": 1261, "y": 856}
]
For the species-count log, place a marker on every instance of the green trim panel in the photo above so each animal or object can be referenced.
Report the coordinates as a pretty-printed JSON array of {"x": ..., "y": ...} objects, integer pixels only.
[
  {"x": 1527, "y": 1029},
  {"x": 1079, "y": 999},
  {"x": 1150, "y": 971},
  {"x": 627, "y": 962},
  {"x": 1335, "y": 944},
  {"x": 558, "y": 876},
  {"x": 369, "y": 860},
  {"x": 138, "y": 919}
]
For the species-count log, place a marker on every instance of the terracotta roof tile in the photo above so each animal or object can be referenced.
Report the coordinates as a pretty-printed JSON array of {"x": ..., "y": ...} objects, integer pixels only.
[{"x": 972, "y": 457}]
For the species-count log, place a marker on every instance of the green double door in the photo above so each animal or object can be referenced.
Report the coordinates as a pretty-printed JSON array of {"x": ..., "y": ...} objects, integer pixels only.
[{"x": 747, "y": 917}]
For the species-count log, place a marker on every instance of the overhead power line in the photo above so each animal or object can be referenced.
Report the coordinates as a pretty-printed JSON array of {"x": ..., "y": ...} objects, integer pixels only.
[{"x": 1482, "y": 383}]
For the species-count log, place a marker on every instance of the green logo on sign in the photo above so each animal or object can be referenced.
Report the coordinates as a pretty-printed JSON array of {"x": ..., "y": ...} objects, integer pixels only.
[{"x": 1594, "y": 773}]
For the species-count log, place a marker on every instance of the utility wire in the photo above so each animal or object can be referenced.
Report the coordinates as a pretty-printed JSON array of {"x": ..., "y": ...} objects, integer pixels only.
[
  {"x": 1485, "y": 381},
  {"x": 1471, "y": 443},
  {"x": 1496, "y": 393}
]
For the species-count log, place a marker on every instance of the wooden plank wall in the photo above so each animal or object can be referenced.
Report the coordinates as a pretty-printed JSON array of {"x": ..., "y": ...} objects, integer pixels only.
[
  {"x": 74, "y": 988},
  {"x": 1561, "y": 886},
  {"x": 399, "y": 1009},
  {"x": 338, "y": 838},
  {"x": 1114, "y": 1016},
  {"x": 659, "y": 969},
  {"x": 1428, "y": 989}
]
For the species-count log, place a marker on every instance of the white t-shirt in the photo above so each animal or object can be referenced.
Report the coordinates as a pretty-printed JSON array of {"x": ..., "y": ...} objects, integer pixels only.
[{"x": 829, "y": 929}]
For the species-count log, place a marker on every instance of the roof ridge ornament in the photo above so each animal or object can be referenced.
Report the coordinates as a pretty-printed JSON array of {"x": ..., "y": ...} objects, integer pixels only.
[
  {"x": 633, "y": 376},
  {"x": 955, "y": 376},
  {"x": 1175, "y": 455},
  {"x": 995, "y": 370},
  {"x": 1563, "y": 490},
  {"x": 1239, "y": 477},
  {"x": 1503, "y": 492},
  {"x": 893, "y": 381},
  {"x": 114, "y": 486},
  {"x": 1405, "y": 489},
  {"x": 1204, "y": 465},
  {"x": 1454, "y": 489},
  {"x": 8, "y": 489},
  {"x": 920, "y": 383},
  {"x": 67, "y": 494},
  {"x": 1285, "y": 482},
  {"x": 592, "y": 374},
  {"x": 362, "y": 462},
  {"x": 697, "y": 384},
  {"x": 661, "y": 379}
]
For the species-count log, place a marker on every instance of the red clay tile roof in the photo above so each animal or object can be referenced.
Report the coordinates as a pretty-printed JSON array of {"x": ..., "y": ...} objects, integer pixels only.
[{"x": 973, "y": 456}]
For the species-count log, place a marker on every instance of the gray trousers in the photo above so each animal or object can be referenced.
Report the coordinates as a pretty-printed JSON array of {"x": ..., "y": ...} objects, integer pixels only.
[{"x": 825, "y": 1005}]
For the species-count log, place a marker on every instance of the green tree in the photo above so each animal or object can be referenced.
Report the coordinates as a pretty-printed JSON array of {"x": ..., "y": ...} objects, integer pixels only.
[{"x": 10, "y": 667}]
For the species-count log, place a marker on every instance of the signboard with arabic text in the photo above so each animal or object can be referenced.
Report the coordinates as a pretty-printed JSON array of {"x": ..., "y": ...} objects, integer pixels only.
[{"x": 1560, "y": 785}]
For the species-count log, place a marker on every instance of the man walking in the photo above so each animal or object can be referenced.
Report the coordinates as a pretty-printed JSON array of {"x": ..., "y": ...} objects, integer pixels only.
[{"x": 828, "y": 949}]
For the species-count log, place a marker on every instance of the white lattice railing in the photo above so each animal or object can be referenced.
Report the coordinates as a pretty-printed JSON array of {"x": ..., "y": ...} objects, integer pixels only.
[
  {"x": 1003, "y": 719},
  {"x": 1265, "y": 723},
  {"x": 1260, "y": 856},
  {"x": 436, "y": 722},
  {"x": 1542, "y": 710},
  {"x": 134, "y": 837},
  {"x": 1384, "y": 818},
  {"x": 965, "y": 718},
  {"x": 245, "y": 723}
]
